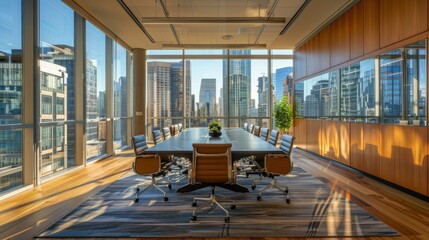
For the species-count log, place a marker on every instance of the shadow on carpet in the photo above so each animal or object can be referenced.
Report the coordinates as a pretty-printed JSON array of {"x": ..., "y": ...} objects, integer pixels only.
[{"x": 315, "y": 210}]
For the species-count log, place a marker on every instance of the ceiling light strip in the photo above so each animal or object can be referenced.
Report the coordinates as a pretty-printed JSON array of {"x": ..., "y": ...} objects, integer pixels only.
[
  {"x": 131, "y": 14},
  {"x": 214, "y": 20},
  {"x": 295, "y": 16}
]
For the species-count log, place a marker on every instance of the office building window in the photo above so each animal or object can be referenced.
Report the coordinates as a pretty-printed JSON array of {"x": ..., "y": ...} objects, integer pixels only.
[
  {"x": 119, "y": 96},
  {"x": 95, "y": 92},
  {"x": 358, "y": 91},
  {"x": 10, "y": 95},
  {"x": 57, "y": 64}
]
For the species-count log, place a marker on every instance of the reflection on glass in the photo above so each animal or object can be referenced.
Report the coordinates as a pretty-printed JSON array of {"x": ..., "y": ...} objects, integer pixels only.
[
  {"x": 391, "y": 86},
  {"x": 358, "y": 90},
  {"x": 119, "y": 97},
  {"x": 95, "y": 92},
  {"x": 313, "y": 96}
]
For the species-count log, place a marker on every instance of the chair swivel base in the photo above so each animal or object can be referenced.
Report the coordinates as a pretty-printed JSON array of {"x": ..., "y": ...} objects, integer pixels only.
[
  {"x": 211, "y": 201},
  {"x": 154, "y": 185},
  {"x": 273, "y": 184}
]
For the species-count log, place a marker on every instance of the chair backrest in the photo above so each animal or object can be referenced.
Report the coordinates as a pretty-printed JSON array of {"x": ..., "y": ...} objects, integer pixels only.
[
  {"x": 180, "y": 127},
  {"x": 256, "y": 130},
  {"x": 286, "y": 144},
  {"x": 139, "y": 144},
  {"x": 264, "y": 134},
  {"x": 251, "y": 127},
  {"x": 147, "y": 164},
  {"x": 157, "y": 136},
  {"x": 245, "y": 127},
  {"x": 278, "y": 164},
  {"x": 166, "y": 133},
  {"x": 211, "y": 163},
  {"x": 174, "y": 129},
  {"x": 273, "y": 137}
]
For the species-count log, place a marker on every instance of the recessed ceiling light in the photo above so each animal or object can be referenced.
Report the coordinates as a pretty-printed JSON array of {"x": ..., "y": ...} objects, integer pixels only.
[{"x": 227, "y": 37}]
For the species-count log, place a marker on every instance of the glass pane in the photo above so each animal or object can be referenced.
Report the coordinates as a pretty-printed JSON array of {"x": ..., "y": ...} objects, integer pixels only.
[
  {"x": 57, "y": 86},
  {"x": 164, "y": 52},
  {"x": 312, "y": 96},
  {"x": 282, "y": 52},
  {"x": 282, "y": 79},
  {"x": 165, "y": 92},
  {"x": 358, "y": 91},
  {"x": 247, "y": 52},
  {"x": 120, "y": 97},
  {"x": 205, "y": 52},
  {"x": 95, "y": 91},
  {"x": 247, "y": 82},
  {"x": 10, "y": 62},
  {"x": 391, "y": 86},
  {"x": 415, "y": 86},
  {"x": 11, "y": 159},
  {"x": 206, "y": 90}
]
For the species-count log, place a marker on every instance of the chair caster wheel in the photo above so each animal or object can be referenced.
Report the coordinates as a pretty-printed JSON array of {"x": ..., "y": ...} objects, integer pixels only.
[
  {"x": 287, "y": 191},
  {"x": 136, "y": 200},
  {"x": 288, "y": 201},
  {"x": 227, "y": 220},
  {"x": 137, "y": 189},
  {"x": 193, "y": 218},
  {"x": 253, "y": 187},
  {"x": 165, "y": 198},
  {"x": 232, "y": 207},
  {"x": 169, "y": 186},
  {"x": 259, "y": 198},
  {"x": 194, "y": 204}
]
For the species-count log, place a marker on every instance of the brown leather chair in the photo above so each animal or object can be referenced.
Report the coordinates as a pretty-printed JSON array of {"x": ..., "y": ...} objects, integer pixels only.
[
  {"x": 211, "y": 165},
  {"x": 150, "y": 165},
  {"x": 264, "y": 134},
  {"x": 278, "y": 165},
  {"x": 256, "y": 130}
]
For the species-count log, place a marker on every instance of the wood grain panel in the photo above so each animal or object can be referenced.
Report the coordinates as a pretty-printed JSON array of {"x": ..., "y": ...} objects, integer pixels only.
[
  {"x": 401, "y": 19},
  {"x": 357, "y": 145},
  {"x": 314, "y": 135},
  {"x": 403, "y": 159},
  {"x": 371, "y": 154},
  {"x": 324, "y": 51},
  {"x": 300, "y": 132},
  {"x": 340, "y": 40},
  {"x": 336, "y": 141},
  {"x": 300, "y": 62},
  {"x": 312, "y": 55},
  {"x": 371, "y": 22},
  {"x": 356, "y": 30}
]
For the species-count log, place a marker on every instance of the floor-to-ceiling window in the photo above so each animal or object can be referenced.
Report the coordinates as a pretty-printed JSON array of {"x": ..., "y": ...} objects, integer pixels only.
[
  {"x": 197, "y": 86},
  {"x": 119, "y": 96},
  {"x": 10, "y": 95},
  {"x": 57, "y": 65},
  {"x": 95, "y": 92},
  {"x": 281, "y": 79}
]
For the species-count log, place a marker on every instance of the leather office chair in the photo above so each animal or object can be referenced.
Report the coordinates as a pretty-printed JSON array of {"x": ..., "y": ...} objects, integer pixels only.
[
  {"x": 273, "y": 137},
  {"x": 166, "y": 133},
  {"x": 212, "y": 166},
  {"x": 250, "y": 129},
  {"x": 180, "y": 127},
  {"x": 264, "y": 134},
  {"x": 245, "y": 127},
  {"x": 157, "y": 136},
  {"x": 139, "y": 144},
  {"x": 150, "y": 165},
  {"x": 256, "y": 130},
  {"x": 276, "y": 165}
]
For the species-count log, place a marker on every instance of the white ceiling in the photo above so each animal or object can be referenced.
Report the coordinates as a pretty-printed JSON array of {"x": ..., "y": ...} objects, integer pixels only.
[{"x": 111, "y": 15}]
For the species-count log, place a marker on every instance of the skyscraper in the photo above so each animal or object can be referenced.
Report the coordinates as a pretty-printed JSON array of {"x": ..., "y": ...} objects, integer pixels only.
[
  {"x": 208, "y": 97},
  {"x": 237, "y": 85},
  {"x": 281, "y": 77}
]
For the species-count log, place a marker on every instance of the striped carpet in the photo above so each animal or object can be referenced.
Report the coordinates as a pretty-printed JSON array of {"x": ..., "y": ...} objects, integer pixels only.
[{"x": 315, "y": 210}]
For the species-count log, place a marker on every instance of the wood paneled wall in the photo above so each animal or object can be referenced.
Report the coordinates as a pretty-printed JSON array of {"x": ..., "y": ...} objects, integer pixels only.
[
  {"x": 395, "y": 153},
  {"x": 368, "y": 26}
]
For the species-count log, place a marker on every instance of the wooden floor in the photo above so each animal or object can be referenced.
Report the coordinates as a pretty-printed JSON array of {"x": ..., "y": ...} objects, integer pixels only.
[{"x": 27, "y": 214}]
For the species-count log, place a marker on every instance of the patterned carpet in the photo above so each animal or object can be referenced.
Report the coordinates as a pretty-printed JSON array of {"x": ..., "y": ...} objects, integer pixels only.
[{"x": 314, "y": 211}]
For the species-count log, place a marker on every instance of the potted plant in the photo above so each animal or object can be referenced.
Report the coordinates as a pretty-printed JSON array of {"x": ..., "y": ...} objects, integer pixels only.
[
  {"x": 215, "y": 128},
  {"x": 283, "y": 114}
]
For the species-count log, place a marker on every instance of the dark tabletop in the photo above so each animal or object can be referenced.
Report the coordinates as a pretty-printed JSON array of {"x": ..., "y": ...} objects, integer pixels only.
[{"x": 243, "y": 143}]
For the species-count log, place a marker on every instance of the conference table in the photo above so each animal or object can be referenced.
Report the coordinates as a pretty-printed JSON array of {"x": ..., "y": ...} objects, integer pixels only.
[{"x": 244, "y": 144}]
